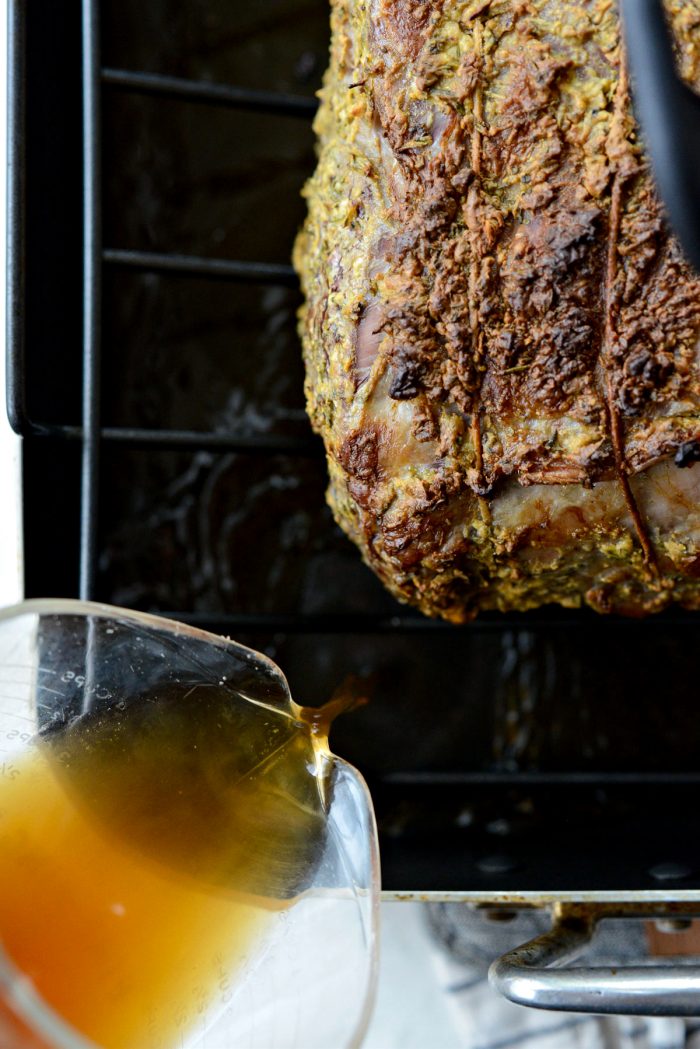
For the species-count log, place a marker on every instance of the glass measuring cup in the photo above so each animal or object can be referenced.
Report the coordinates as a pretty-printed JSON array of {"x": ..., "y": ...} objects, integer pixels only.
[{"x": 183, "y": 862}]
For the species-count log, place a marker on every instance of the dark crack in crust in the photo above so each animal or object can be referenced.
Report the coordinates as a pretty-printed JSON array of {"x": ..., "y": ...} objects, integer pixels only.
[{"x": 501, "y": 335}]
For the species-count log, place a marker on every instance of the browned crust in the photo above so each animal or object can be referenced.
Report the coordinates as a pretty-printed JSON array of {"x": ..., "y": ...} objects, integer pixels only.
[{"x": 494, "y": 303}]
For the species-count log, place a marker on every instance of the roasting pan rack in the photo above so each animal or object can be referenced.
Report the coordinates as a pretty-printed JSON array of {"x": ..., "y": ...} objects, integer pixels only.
[{"x": 579, "y": 815}]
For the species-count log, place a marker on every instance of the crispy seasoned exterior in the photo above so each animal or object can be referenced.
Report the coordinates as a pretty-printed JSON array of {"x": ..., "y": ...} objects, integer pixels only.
[{"x": 501, "y": 336}]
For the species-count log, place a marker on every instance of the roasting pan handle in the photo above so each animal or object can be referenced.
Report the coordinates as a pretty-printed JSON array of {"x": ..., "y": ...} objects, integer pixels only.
[
  {"x": 531, "y": 975},
  {"x": 669, "y": 112}
]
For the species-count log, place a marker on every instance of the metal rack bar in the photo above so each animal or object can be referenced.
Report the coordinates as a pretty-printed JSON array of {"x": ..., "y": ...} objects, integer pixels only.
[
  {"x": 542, "y": 779},
  {"x": 92, "y": 298},
  {"x": 195, "y": 266},
  {"x": 272, "y": 102},
  {"x": 364, "y": 623},
  {"x": 182, "y": 440},
  {"x": 16, "y": 185}
]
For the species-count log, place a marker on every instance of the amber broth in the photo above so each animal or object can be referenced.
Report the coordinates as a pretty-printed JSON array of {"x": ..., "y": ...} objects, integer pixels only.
[{"x": 143, "y": 859}]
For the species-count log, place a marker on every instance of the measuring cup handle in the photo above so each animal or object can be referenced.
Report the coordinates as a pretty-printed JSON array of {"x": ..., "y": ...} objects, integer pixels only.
[{"x": 527, "y": 976}]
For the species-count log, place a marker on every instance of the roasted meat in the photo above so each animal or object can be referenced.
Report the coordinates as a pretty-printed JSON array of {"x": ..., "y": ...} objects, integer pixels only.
[{"x": 501, "y": 335}]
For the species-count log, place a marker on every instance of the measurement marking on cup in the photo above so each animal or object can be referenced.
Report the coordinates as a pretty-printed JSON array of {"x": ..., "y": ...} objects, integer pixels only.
[
  {"x": 7, "y": 698},
  {"x": 28, "y": 667},
  {"x": 20, "y": 717}
]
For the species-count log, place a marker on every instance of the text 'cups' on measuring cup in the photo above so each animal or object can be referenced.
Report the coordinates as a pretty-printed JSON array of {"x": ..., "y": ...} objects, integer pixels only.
[{"x": 183, "y": 862}]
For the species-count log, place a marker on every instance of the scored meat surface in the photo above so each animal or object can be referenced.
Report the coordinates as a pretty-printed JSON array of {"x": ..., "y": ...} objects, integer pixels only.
[{"x": 501, "y": 336}]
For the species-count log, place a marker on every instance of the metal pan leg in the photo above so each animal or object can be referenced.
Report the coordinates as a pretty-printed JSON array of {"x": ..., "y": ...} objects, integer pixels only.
[{"x": 536, "y": 975}]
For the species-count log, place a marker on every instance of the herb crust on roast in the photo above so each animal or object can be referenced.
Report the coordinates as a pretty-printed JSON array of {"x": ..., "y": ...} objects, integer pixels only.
[{"x": 501, "y": 335}]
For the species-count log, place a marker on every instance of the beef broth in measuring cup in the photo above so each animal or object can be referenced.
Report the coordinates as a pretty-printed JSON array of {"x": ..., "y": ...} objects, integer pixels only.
[{"x": 156, "y": 831}]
